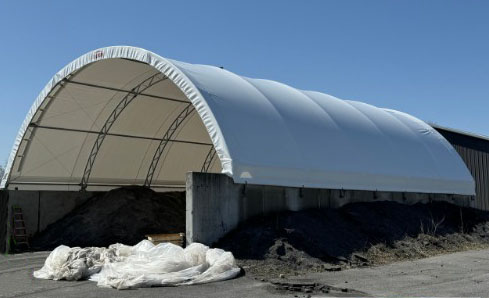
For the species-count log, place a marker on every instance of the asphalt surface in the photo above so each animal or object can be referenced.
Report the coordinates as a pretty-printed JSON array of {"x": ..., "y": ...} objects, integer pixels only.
[
  {"x": 458, "y": 274},
  {"x": 16, "y": 280},
  {"x": 461, "y": 274}
]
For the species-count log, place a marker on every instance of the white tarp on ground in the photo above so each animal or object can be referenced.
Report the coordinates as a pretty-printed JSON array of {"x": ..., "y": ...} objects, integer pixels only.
[
  {"x": 142, "y": 265},
  {"x": 264, "y": 132}
]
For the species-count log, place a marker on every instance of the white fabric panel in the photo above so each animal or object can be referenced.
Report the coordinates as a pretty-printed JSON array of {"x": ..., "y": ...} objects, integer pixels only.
[
  {"x": 194, "y": 130},
  {"x": 147, "y": 117},
  {"x": 264, "y": 132},
  {"x": 181, "y": 158},
  {"x": 166, "y": 89},
  {"x": 79, "y": 107},
  {"x": 119, "y": 73},
  {"x": 52, "y": 156}
]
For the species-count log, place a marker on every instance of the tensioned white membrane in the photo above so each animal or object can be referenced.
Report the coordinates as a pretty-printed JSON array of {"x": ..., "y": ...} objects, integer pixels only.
[{"x": 264, "y": 132}]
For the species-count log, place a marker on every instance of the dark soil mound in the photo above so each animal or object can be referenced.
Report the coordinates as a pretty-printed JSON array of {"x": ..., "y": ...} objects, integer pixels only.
[
  {"x": 314, "y": 239},
  {"x": 123, "y": 215}
]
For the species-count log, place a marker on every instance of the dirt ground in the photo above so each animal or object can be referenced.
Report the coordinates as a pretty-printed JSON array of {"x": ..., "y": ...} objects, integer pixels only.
[
  {"x": 123, "y": 215},
  {"x": 356, "y": 235}
]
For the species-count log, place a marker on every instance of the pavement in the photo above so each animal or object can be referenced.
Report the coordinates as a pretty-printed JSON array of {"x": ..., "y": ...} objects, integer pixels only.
[{"x": 459, "y": 274}]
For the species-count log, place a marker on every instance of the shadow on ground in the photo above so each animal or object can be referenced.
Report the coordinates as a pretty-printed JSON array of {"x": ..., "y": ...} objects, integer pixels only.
[{"x": 304, "y": 239}]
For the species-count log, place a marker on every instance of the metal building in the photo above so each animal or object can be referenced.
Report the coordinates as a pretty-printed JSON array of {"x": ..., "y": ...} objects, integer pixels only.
[{"x": 474, "y": 150}]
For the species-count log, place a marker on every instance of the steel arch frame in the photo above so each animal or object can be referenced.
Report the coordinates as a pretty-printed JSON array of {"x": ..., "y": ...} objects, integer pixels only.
[
  {"x": 165, "y": 140},
  {"x": 208, "y": 160},
  {"x": 125, "y": 101}
]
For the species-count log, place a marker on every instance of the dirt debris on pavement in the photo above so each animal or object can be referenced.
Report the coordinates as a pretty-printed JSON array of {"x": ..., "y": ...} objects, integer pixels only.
[
  {"x": 358, "y": 234},
  {"x": 123, "y": 215},
  {"x": 304, "y": 288}
]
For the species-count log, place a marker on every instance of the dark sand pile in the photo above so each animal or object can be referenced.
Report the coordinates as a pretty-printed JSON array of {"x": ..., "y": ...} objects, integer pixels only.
[
  {"x": 123, "y": 215},
  {"x": 358, "y": 234}
]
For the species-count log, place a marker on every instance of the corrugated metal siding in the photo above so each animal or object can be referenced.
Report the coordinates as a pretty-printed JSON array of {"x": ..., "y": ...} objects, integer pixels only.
[
  {"x": 474, "y": 150},
  {"x": 478, "y": 164}
]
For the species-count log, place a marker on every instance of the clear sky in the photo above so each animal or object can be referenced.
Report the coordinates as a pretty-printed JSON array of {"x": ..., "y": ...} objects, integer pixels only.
[{"x": 426, "y": 58}]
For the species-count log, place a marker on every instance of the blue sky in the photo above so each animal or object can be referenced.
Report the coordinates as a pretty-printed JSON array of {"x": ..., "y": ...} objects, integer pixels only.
[{"x": 427, "y": 58}]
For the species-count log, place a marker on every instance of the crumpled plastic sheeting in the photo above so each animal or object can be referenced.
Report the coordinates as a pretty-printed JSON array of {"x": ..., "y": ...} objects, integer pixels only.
[{"x": 143, "y": 265}]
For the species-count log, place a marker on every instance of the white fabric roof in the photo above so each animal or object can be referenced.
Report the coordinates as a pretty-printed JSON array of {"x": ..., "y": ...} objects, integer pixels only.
[{"x": 264, "y": 132}]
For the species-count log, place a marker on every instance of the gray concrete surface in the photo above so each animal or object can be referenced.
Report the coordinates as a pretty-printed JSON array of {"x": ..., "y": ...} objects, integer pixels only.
[
  {"x": 216, "y": 205},
  {"x": 460, "y": 274}
]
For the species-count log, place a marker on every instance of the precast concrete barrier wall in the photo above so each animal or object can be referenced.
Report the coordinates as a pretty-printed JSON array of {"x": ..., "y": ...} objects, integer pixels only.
[
  {"x": 39, "y": 208},
  {"x": 216, "y": 205}
]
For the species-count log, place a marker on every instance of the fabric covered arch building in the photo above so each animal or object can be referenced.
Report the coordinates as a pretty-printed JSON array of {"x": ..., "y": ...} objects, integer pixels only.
[{"x": 124, "y": 115}]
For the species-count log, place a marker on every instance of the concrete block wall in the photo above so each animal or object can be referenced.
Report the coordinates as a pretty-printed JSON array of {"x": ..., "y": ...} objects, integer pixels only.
[
  {"x": 42, "y": 208},
  {"x": 215, "y": 205}
]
